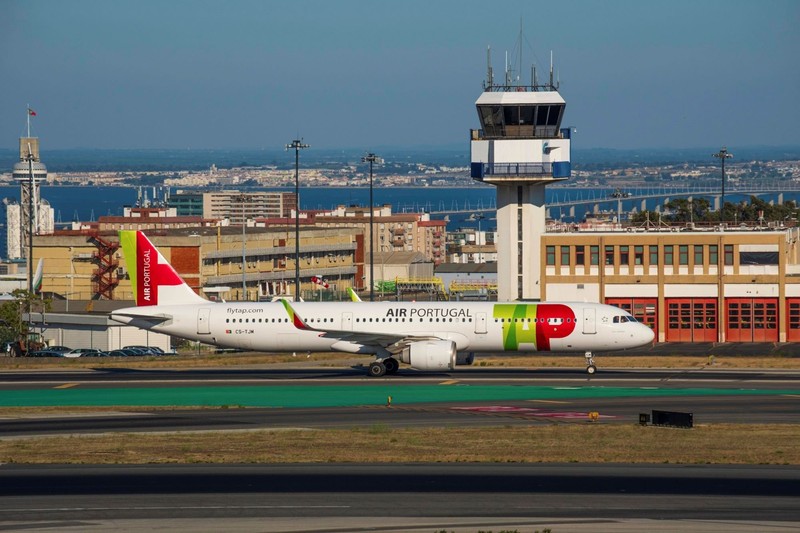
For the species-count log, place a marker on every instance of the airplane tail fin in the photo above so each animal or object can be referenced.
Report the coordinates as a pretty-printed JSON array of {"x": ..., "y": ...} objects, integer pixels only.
[{"x": 153, "y": 280}]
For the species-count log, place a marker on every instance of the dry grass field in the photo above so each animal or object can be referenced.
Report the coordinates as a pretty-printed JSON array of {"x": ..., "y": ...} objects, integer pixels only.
[{"x": 582, "y": 442}]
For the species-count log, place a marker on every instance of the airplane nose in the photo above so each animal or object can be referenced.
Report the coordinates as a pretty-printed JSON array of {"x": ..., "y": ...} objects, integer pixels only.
[{"x": 648, "y": 335}]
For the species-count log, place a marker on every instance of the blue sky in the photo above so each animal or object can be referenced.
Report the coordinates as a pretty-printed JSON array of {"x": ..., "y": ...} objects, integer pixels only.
[{"x": 358, "y": 73}]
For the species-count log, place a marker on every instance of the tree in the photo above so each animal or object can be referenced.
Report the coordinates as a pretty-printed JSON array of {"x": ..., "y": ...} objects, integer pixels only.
[
  {"x": 682, "y": 210},
  {"x": 12, "y": 325}
]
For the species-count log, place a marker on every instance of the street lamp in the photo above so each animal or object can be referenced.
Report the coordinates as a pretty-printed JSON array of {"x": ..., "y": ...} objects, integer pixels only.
[
  {"x": 297, "y": 145},
  {"x": 244, "y": 199},
  {"x": 722, "y": 155},
  {"x": 371, "y": 159},
  {"x": 478, "y": 238}
]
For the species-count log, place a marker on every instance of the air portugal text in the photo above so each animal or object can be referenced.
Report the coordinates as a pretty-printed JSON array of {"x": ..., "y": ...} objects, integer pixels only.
[
  {"x": 146, "y": 278},
  {"x": 428, "y": 312}
]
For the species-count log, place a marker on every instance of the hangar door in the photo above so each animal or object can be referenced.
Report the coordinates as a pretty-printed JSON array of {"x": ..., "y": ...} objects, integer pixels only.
[
  {"x": 793, "y": 317},
  {"x": 692, "y": 320},
  {"x": 752, "y": 319}
]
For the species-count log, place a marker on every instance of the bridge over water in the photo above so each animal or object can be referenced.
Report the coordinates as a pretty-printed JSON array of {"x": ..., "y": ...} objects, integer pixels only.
[{"x": 568, "y": 199}]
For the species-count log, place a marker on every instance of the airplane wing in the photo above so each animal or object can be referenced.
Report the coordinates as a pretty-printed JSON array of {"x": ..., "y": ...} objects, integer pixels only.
[{"x": 392, "y": 343}]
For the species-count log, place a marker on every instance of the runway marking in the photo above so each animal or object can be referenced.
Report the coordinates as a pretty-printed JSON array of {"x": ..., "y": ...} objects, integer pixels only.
[
  {"x": 791, "y": 395},
  {"x": 180, "y": 507},
  {"x": 529, "y": 412},
  {"x": 66, "y": 386},
  {"x": 449, "y": 382}
]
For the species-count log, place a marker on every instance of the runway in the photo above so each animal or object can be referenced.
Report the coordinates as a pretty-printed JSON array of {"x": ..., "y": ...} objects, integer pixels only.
[
  {"x": 523, "y": 497},
  {"x": 405, "y": 497}
]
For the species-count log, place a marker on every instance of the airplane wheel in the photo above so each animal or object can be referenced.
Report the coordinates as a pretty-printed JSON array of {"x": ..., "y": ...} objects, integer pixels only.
[
  {"x": 391, "y": 365},
  {"x": 377, "y": 369},
  {"x": 591, "y": 369}
]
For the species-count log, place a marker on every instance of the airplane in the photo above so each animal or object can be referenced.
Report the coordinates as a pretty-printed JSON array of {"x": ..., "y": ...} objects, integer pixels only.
[{"x": 434, "y": 336}]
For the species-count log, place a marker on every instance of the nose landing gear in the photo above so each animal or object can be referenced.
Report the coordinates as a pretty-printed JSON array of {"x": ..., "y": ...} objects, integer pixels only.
[{"x": 590, "y": 367}]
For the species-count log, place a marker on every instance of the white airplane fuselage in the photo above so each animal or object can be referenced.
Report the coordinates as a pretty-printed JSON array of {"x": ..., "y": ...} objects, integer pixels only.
[{"x": 471, "y": 326}]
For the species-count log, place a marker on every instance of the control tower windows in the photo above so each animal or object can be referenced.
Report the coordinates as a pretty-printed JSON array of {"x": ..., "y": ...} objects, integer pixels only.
[
  {"x": 492, "y": 120},
  {"x": 521, "y": 120}
]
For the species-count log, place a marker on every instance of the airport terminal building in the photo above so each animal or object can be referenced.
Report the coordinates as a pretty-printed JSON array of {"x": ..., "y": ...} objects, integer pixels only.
[{"x": 689, "y": 286}]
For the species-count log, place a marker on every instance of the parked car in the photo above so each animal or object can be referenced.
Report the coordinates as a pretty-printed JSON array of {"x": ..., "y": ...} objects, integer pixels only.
[
  {"x": 94, "y": 353},
  {"x": 145, "y": 350},
  {"x": 80, "y": 352},
  {"x": 62, "y": 349},
  {"x": 134, "y": 351},
  {"x": 45, "y": 353},
  {"x": 117, "y": 353}
]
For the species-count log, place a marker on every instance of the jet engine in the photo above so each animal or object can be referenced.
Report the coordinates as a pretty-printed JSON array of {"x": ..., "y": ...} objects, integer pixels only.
[{"x": 430, "y": 355}]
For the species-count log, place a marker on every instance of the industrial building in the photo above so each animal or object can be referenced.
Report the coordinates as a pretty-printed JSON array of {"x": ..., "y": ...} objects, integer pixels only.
[
  {"x": 236, "y": 206},
  {"x": 82, "y": 265},
  {"x": 391, "y": 232}
]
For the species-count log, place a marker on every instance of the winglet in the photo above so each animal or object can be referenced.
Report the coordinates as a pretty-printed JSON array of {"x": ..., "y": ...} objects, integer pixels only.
[
  {"x": 353, "y": 296},
  {"x": 37, "y": 277},
  {"x": 298, "y": 322}
]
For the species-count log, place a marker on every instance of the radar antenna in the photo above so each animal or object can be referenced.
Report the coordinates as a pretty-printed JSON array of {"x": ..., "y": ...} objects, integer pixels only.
[{"x": 489, "y": 74}]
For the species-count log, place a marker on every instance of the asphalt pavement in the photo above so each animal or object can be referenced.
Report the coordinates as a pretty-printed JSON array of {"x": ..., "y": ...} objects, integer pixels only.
[{"x": 727, "y": 349}]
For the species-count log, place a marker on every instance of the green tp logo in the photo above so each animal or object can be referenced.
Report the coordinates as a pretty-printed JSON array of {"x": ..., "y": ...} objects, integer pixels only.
[{"x": 534, "y": 324}]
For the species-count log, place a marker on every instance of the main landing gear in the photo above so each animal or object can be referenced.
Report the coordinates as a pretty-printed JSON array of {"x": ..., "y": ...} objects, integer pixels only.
[
  {"x": 590, "y": 368},
  {"x": 386, "y": 366}
]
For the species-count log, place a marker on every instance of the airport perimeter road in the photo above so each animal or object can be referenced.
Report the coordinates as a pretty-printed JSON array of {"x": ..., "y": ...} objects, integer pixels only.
[{"x": 415, "y": 497}]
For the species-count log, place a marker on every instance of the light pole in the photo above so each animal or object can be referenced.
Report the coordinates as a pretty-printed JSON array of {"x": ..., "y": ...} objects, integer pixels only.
[
  {"x": 722, "y": 155},
  {"x": 478, "y": 238},
  {"x": 297, "y": 145},
  {"x": 371, "y": 158},
  {"x": 244, "y": 199}
]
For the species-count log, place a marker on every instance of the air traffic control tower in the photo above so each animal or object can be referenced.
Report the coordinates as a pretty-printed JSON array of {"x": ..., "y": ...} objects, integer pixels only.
[{"x": 520, "y": 149}]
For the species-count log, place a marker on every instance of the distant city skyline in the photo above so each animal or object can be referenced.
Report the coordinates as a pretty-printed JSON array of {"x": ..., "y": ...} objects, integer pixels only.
[{"x": 353, "y": 73}]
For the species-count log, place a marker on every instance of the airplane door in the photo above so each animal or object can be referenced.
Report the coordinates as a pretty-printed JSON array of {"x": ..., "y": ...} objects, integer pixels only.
[
  {"x": 589, "y": 323},
  {"x": 203, "y": 319},
  {"x": 347, "y": 321},
  {"x": 480, "y": 323}
]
